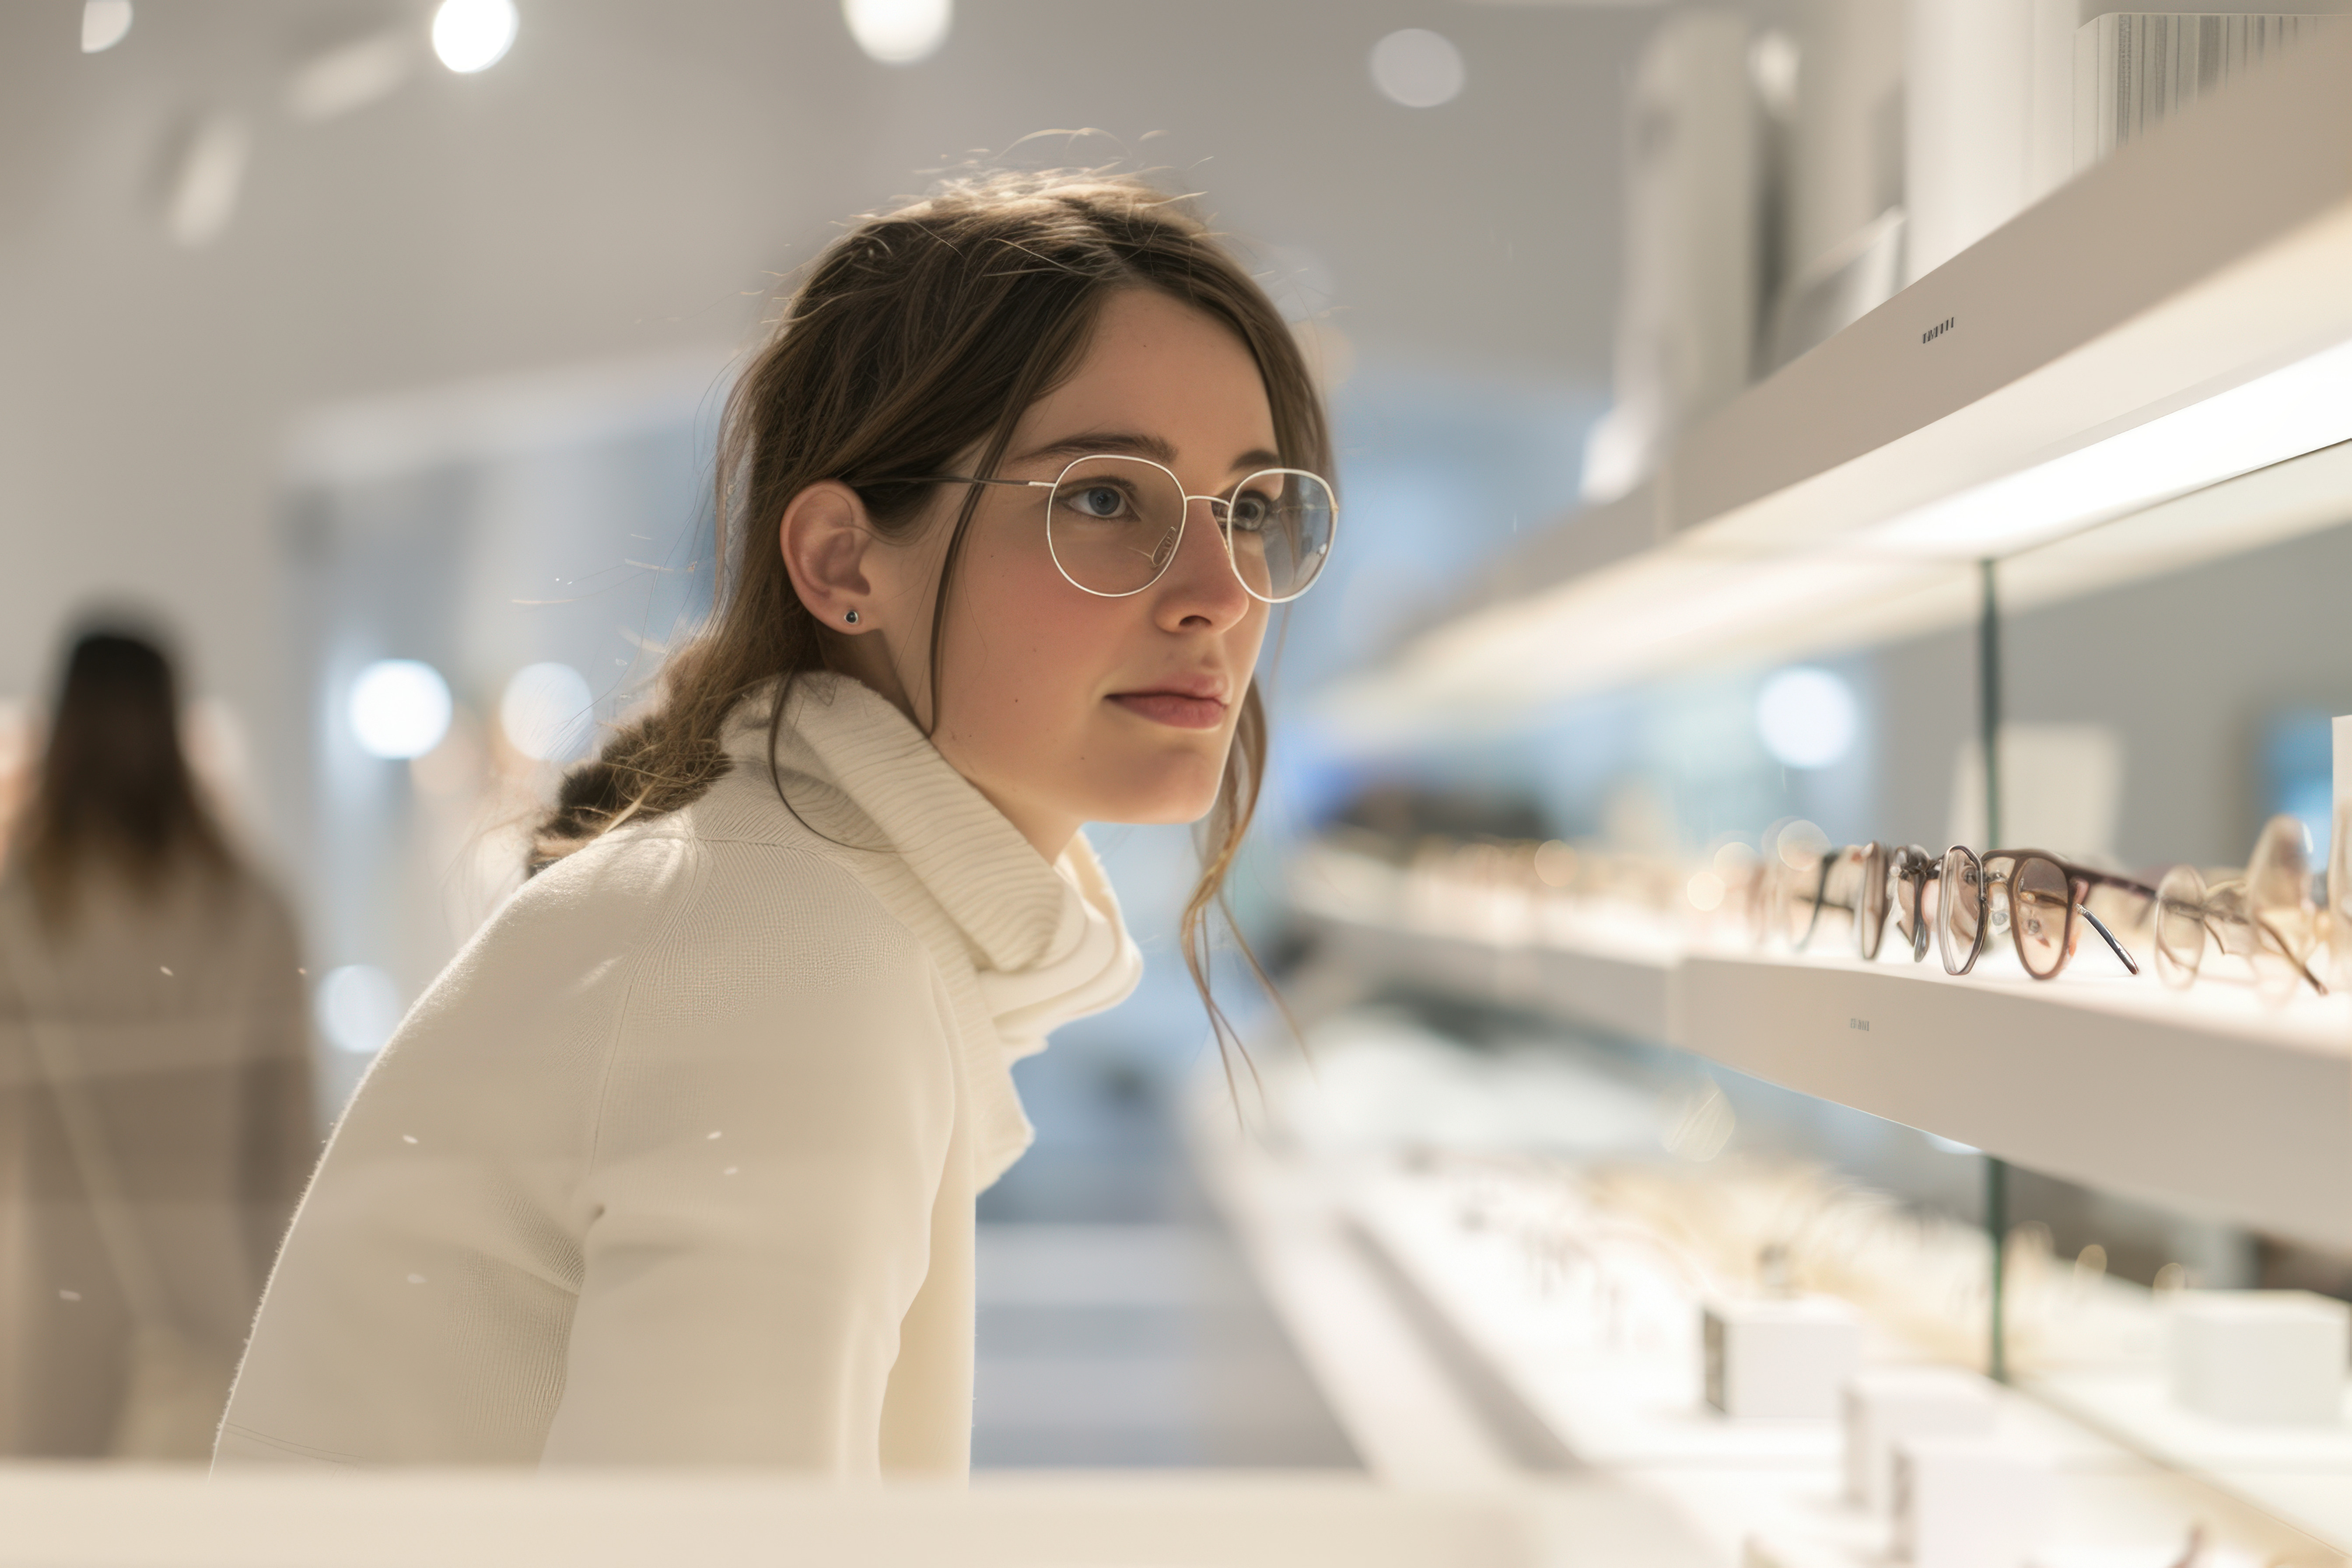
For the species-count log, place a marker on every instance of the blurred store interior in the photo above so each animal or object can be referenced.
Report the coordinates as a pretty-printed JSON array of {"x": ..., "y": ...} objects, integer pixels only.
[{"x": 383, "y": 382}]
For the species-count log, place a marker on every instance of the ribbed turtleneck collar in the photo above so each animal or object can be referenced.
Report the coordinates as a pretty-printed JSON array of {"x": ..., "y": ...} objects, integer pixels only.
[{"x": 1044, "y": 937}]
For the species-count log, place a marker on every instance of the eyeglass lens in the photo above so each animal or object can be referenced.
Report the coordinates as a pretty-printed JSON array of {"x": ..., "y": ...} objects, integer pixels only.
[
  {"x": 1114, "y": 525},
  {"x": 1910, "y": 869},
  {"x": 2179, "y": 925},
  {"x": 2041, "y": 914},
  {"x": 1959, "y": 911},
  {"x": 1870, "y": 914}
]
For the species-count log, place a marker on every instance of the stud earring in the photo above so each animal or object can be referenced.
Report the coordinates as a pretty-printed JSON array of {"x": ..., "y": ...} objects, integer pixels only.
[{"x": 851, "y": 617}]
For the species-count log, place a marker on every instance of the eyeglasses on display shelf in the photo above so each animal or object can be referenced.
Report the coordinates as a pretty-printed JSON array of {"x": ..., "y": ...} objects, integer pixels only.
[
  {"x": 1849, "y": 883},
  {"x": 2336, "y": 913},
  {"x": 2267, "y": 918},
  {"x": 1792, "y": 890},
  {"x": 1785, "y": 898},
  {"x": 1113, "y": 524},
  {"x": 2035, "y": 898},
  {"x": 1911, "y": 876}
]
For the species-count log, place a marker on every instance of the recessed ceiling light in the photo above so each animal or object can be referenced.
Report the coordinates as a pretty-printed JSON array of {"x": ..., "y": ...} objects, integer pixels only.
[
  {"x": 899, "y": 32},
  {"x": 1417, "y": 68},
  {"x": 474, "y": 35},
  {"x": 104, "y": 24}
]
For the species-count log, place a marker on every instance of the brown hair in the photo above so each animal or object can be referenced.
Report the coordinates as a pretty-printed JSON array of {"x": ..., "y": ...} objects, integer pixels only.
[
  {"x": 114, "y": 791},
  {"x": 917, "y": 339}
]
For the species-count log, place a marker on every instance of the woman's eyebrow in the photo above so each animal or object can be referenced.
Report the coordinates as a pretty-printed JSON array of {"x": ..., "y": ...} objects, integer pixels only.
[
  {"x": 1116, "y": 443},
  {"x": 1121, "y": 443}
]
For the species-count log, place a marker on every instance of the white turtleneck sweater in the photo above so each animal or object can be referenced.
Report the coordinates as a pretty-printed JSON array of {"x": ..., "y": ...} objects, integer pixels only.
[{"x": 675, "y": 1162}]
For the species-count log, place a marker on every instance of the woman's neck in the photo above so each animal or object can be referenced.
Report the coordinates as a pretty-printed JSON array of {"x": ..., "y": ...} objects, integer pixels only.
[{"x": 1048, "y": 832}]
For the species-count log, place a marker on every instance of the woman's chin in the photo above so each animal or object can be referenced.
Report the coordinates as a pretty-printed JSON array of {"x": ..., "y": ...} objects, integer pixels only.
[{"x": 1161, "y": 808}]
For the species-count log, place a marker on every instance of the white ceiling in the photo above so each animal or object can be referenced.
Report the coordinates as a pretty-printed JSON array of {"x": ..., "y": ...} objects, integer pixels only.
[{"x": 629, "y": 181}]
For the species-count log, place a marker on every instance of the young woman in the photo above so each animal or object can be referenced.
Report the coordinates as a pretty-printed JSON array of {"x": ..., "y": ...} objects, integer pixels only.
[
  {"x": 156, "y": 1122},
  {"x": 676, "y": 1162}
]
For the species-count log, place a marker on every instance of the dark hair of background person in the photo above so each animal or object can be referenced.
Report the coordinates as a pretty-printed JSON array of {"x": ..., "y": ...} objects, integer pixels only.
[
  {"x": 917, "y": 340},
  {"x": 114, "y": 792}
]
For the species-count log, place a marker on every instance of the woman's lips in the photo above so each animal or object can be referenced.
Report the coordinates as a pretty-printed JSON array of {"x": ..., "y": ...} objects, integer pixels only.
[{"x": 1174, "y": 707}]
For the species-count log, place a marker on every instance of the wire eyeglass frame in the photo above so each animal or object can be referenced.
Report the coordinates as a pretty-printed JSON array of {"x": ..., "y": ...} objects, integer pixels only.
[{"x": 1221, "y": 511}]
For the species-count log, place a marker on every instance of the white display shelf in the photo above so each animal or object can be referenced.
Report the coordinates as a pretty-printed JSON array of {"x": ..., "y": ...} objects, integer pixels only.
[
  {"x": 63, "y": 1515},
  {"x": 2200, "y": 258},
  {"x": 2302, "y": 1474},
  {"x": 2204, "y": 1100},
  {"x": 2208, "y": 1101},
  {"x": 1615, "y": 1372},
  {"x": 1624, "y": 990}
]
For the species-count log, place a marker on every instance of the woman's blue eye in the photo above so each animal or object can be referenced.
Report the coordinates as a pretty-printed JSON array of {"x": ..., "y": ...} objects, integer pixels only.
[
  {"x": 1252, "y": 513},
  {"x": 1101, "y": 501}
]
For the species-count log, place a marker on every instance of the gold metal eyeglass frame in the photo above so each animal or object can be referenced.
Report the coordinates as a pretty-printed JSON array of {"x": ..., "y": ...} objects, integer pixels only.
[{"x": 1220, "y": 507}]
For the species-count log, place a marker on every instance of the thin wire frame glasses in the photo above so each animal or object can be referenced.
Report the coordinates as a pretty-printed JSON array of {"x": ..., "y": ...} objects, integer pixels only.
[
  {"x": 2189, "y": 912},
  {"x": 1852, "y": 881},
  {"x": 1114, "y": 524}
]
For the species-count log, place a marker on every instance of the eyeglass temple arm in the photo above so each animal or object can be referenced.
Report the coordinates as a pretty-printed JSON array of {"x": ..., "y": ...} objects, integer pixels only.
[
  {"x": 1820, "y": 897},
  {"x": 2287, "y": 948},
  {"x": 2122, "y": 884},
  {"x": 965, "y": 479},
  {"x": 1931, "y": 870},
  {"x": 2101, "y": 926}
]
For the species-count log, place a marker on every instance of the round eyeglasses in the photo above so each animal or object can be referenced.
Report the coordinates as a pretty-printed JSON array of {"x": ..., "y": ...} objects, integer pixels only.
[
  {"x": 1114, "y": 525},
  {"x": 2031, "y": 898}
]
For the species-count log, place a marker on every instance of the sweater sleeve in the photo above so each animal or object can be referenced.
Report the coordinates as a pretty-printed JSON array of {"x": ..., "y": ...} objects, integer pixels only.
[{"x": 758, "y": 1208}]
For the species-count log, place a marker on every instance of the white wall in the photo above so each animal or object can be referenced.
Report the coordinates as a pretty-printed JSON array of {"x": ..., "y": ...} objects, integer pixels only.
[{"x": 629, "y": 181}]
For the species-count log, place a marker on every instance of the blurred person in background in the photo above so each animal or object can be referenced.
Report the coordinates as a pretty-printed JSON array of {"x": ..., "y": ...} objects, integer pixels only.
[{"x": 156, "y": 1117}]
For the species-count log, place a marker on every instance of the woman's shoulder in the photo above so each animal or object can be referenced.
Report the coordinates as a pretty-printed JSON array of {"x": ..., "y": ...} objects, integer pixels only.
[
  {"x": 693, "y": 879},
  {"x": 654, "y": 931}
]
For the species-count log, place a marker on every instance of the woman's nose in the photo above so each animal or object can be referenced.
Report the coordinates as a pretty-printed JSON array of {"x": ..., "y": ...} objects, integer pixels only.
[{"x": 1201, "y": 584}]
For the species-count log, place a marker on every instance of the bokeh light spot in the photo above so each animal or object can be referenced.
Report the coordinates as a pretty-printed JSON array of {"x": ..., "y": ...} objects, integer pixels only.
[
  {"x": 1807, "y": 717},
  {"x": 399, "y": 708},
  {"x": 1417, "y": 68}
]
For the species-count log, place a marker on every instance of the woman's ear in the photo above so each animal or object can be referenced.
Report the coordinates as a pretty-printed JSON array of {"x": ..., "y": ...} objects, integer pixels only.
[{"x": 826, "y": 540}]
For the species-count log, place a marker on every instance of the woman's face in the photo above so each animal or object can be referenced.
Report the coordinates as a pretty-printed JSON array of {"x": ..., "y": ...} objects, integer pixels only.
[{"x": 1063, "y": 707}]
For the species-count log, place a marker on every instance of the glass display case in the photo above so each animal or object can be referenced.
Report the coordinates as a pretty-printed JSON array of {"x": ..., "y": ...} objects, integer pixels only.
[{"x": 2084, "y": 430}]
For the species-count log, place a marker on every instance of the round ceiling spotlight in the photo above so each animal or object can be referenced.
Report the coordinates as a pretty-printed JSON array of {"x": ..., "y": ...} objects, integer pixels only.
[
  {"x": 899, "y": 32},
  {"x": 399, "y": 709},
  {"x": 1417, "y": 68},
  {"x": 104, "y": 24},
  {"x": 1807, "y": 717},
  {"x": 472, "y": 36}
]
